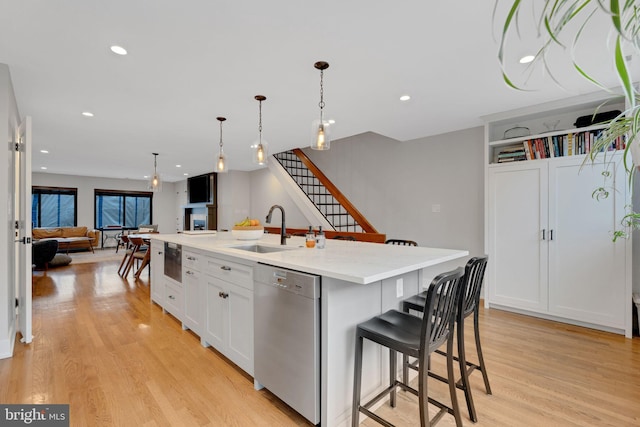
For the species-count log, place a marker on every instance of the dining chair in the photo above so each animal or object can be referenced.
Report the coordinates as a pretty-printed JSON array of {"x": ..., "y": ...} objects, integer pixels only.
[
  {"x": 127, "y": 260},
  {"x": 401, "y": 242},
  {"x": 142, "y": 256},
  {"x": 469, "y": 304},
  {"x": 416, "y": 337}
]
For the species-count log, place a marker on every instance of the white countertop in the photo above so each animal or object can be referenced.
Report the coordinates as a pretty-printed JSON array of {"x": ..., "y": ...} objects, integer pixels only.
[{"x": 357, "y": 262}]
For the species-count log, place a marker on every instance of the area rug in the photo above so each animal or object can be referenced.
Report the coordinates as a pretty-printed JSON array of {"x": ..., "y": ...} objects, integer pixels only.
[{"x": 100, "y": 255}]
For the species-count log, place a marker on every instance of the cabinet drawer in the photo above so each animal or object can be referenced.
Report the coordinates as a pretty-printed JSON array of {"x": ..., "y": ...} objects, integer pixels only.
[
  {"x": 191, "y": 260},
  {"x": 174, "y": 300},
  {"x": 239, "y": 274}
]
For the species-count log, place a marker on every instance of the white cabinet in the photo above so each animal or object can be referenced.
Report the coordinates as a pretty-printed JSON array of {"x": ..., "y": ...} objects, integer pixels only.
[
  {"x": 157, "y": 272},
  {"x": 228, "y": 324},
  {"x": 193, "y": 288},
  {"x": 550, "y": 241}
]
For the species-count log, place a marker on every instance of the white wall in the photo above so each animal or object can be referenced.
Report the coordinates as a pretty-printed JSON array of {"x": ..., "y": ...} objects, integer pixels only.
[
  {"x": 396, "y": 185},
  {"x": 267, "y": 191},
  {"x": 164, "y": 202},
  {"x": 9, "y": 122}
]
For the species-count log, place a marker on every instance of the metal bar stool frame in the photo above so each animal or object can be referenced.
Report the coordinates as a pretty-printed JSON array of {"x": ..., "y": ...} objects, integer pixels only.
[
  {"x": 469, "y": 303},
  {"x": 417, "y": 337}
]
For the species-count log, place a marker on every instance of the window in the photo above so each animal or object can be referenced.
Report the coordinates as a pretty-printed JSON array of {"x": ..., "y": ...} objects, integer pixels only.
[
  {"x": 54, "y": 207},
  {"x": 126, "y": 208}
]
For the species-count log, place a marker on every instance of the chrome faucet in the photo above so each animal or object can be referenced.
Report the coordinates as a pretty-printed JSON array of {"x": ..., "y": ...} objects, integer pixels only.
[{"x": 283, "y": 228}]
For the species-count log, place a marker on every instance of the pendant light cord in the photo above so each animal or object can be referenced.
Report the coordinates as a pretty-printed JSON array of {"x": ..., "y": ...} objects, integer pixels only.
[
  {"x": 321, "y": 103},
  {"x": 260, "y": 121}
]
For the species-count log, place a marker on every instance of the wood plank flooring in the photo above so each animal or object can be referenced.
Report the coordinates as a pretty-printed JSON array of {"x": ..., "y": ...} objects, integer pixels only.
[{"x": 101, "y": 346}]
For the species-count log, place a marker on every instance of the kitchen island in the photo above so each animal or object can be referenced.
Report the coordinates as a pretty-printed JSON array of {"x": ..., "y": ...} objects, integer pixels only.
[{"x": 358, "y": 280}]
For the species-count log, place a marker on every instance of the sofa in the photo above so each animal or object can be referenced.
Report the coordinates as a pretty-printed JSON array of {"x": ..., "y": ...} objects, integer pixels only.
[{"x": 57, "y": 233}]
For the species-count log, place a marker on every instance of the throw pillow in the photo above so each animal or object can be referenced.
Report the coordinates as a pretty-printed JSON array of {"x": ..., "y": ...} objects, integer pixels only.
[{"x": 60, "y": 260}]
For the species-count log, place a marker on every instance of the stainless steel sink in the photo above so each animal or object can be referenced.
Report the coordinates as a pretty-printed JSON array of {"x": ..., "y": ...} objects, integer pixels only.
[{"x": 261, "y": 249}]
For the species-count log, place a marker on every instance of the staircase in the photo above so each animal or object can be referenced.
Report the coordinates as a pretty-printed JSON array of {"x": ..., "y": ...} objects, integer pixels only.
[{"x": 332, "y": 204}]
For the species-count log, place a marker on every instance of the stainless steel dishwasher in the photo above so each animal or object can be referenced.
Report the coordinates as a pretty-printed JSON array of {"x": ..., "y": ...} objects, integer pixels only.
[{"x": 287, "y": 337}]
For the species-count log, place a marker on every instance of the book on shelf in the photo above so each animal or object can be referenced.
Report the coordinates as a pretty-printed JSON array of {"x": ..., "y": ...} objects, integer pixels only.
[{"x": 566, "y": 145}]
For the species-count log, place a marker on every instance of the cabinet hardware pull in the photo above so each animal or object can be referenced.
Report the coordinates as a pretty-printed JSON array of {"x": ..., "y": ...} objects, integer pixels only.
[
  {"x": 190, "y": 272},
  {"x": 190, "y": 258},
  {"x": 159, "y": 253},
  {"x": 225, "y": 268},
  {"x": 172, "y": 297},
  {"x": 543, "y": 234},
  {"x": 550, "y": 234},
  {"x": 223, "y": 294}
]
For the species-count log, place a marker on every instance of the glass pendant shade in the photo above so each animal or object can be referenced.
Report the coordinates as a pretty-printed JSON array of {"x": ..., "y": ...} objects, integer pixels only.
[
  {"x": 221, "y": 163},
  {"x": 221, "y": 160},
  {"x": 155, "y": 182},
  {"x": 260, "y": 148},
  {"x": 321, "y": 129},
  {"x": 260, "y": 152},
  {"x": 320, "y": 135}
]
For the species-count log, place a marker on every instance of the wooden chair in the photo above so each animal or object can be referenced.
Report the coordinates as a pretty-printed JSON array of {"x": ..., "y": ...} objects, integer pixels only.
[
  {"x": 141, "y": 257},
  {"x": 416, "y": 337},
  {"x": 127, "y": 260},
  {"x": 401, "y": 242}
]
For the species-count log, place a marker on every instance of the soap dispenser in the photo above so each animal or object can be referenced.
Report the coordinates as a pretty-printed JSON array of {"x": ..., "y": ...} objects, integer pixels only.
[
  {"x": 310, "y": 240},
  {"x": 320, "y": 239}
]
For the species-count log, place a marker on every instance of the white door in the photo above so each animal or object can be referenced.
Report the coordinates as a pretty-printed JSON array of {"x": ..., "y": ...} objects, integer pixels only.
[
  {"x": 586, "y": 268},
  {"x": 23, "y": 220},
  {"x": 517, "y": 269}
]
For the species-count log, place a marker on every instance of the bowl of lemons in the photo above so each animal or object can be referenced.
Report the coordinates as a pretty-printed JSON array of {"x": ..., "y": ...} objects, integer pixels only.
[{"x": 247, "y": 229}]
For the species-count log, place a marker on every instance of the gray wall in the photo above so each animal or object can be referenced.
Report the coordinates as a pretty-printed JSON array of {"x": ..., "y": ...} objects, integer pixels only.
[
  {"x": 9, "y": 122},
  {"x": 398, "y": 185},
  {"x": 164, "y": 202}
]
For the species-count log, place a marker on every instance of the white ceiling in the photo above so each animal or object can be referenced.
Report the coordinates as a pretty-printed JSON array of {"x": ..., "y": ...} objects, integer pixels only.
[{"x": 193, "y": 60}]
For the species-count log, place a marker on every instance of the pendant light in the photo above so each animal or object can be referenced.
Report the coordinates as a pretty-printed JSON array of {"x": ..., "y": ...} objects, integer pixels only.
[
  {"x": 155, "y": 183},
  {"x": 320, "y": 129},
  {"x": 221, "y": 163},
  {"x": 261, "y": 148}
]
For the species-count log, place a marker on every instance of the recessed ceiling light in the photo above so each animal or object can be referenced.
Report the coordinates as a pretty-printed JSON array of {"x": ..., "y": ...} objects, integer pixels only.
[
  {"x": 185, "y": 174},
  {"x": 118, "y": 50},
  {"x": 526, "y": 59},
  {"x": 44, "y": 151},
  {"x": 405, "y": 98},
  {"x": 87, "y": 114},
  {"x": 146, "y": 177},
  {"x": 43, "y": 168},
  {"x": 178, "y": 166},
  {"x": 331, "y": 121}
]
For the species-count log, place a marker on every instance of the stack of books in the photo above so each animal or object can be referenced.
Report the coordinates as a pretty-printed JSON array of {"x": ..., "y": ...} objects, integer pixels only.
[{"x": 512, "y": 154}]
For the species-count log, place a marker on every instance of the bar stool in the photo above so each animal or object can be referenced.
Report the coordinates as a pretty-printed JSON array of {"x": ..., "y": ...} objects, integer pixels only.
[
  {"x": 400, "y": 242},
  {"x": 416, "y": 337},
  {"x": 469, "y": 303}
]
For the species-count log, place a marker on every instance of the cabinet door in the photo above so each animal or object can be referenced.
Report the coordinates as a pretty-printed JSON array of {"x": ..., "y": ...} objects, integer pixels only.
[
  {"x": 216, "y": 312},
  {"x": 586, "y": 268},
  {"x": 157, "y": 272},
  {"x": 240, "y": 327},
  {"x": 517, "y": 269},
  {"x": 193, "y": 301}
]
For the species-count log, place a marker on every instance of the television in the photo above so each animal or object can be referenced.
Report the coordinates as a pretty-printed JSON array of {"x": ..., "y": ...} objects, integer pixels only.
[{"x": 199, "y": 189}]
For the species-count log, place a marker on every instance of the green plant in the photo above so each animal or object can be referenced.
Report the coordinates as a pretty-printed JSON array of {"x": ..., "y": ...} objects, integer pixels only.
[{"x": 563, "y": 24}]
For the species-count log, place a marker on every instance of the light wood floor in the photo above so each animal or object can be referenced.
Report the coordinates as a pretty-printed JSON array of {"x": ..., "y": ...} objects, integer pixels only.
[{"x": 102, "y": 347}]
